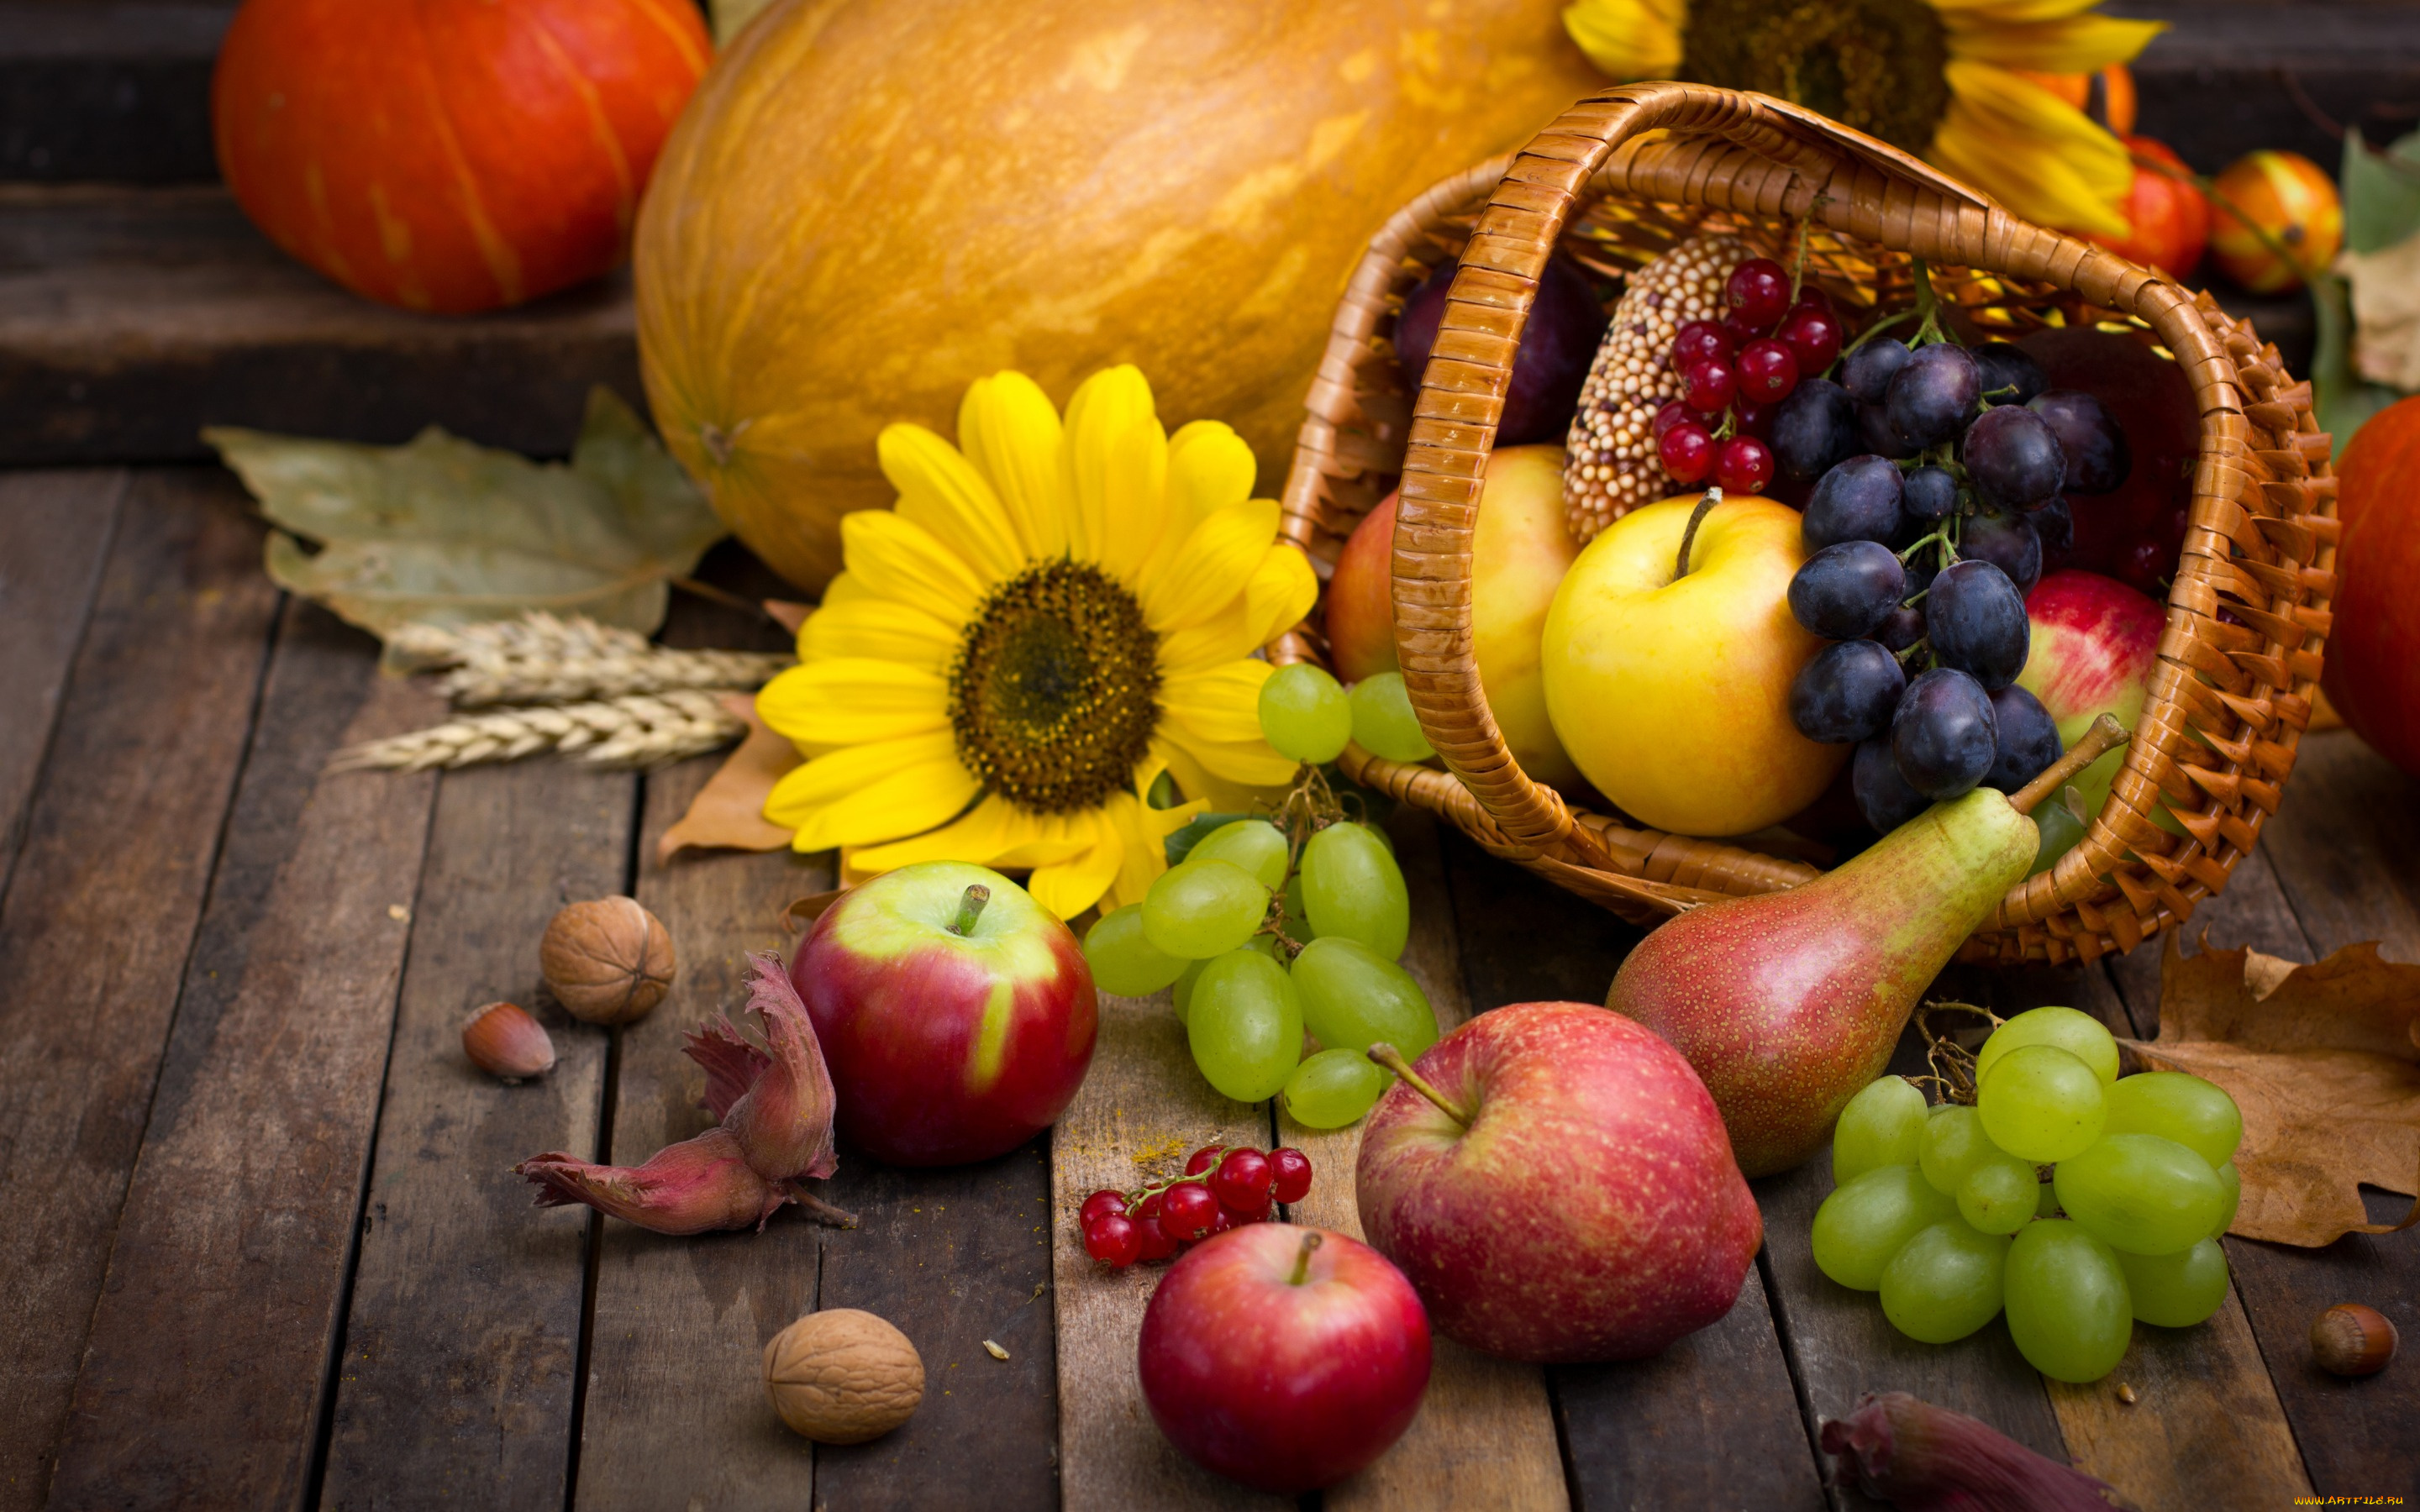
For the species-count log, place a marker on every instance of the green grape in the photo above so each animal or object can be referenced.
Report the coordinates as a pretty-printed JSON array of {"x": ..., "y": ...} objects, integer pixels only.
[
  {"x": 2046, "y": 1201},
  {"x": 1203, "y": 908},
  {"x": 1953, "y": 1143},
  {"x": 2078, "y": 1034},
  {"x": 1255, "y": 844},
  {"x": 2142, "y": 1194},
  {"x": 2177, "y": 1291},
  {"x": 1351, "y": 887},
  {"x": 1245, "y": 1025},
  {"x": 1883, "y": 1125},
  {"x": 1353, "y": 997},
  {"x": 2196, "y": 1114},
  {"x": 1862, "y": 1225},
  {"x": 1945, "y": 1283},
  {"x": 2000, "y": 1194},
  {"x": 1383, "y": 720},
  {"x": 2233, "y": 1184},
  {"x": 1123, "y": 962},
  {"x": 1296, "y": 924},
  {"x": 2041, "y": 1103},
  {"x": 1333, "y": 1089},
  {"x": 1183, "y": 992},
  {"x": 2069, "y": 1308},
  {"x": 1305, "y": 714}
]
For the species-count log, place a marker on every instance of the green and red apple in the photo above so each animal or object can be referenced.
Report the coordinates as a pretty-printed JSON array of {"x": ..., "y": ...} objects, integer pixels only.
[{"x": 2095, "y": 642}]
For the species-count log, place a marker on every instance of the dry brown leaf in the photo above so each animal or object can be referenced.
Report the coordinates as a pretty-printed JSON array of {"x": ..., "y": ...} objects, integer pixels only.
[
  {"x": 729, "y": 812},
  {"x": 2325, "y": 1063}
]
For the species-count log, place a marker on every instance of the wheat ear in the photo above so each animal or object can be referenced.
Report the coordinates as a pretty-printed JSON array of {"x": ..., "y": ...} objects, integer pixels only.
[
  {"x": 636, "y": 729},
  {"x": 542, "y": 660}
]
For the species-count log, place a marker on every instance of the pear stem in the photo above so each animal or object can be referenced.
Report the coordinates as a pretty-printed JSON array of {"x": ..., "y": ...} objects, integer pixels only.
[
  {"x": 1302, "y": 1260},
  {"x": 2106, "y": 735},
  {"x": 971, "y": 907},
  {"x": 1706, "y": 501},
  {"x": 1392, "y": 1059}
]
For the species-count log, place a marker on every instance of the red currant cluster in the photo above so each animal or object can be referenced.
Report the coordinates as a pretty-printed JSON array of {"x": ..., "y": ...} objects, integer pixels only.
[
  {"x": 1222, "y": 1188},
  {"x": 1735, "y": 372}
]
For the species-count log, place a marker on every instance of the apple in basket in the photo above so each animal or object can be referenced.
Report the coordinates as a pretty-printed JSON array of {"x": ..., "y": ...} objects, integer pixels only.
[
  {"x": 2095, "y": 642},
  {"x": 955, "y": 1012}
]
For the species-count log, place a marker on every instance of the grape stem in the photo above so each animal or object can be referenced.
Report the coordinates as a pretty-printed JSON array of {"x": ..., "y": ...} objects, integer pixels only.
[
  {"x": 1392, "y": 1060},
  {"x": 1952, "y": 1063},
  {"x": 1302, "y": 1260},
  {"x": 971, "y": 907},
  {"x": 1706, "y": 503},
  {"x": 2106, "y": 735}
]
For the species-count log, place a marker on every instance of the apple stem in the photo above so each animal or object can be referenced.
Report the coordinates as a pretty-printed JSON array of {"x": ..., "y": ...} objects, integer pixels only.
[
  {"x": 1392, "y": 1059},
  {"x": 1706, "y": 501},
  {"x": 970, "y": 908},
  {"x": 1302, "y": 1258},
  {"x": 2106, "y": 735}
]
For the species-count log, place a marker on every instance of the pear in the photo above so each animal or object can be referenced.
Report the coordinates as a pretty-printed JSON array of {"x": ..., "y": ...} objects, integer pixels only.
[{"x": 1787, "y": 1003}]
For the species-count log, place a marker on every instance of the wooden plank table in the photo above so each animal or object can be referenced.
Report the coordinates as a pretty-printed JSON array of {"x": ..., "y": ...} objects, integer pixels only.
[{"x": 269, "y": 1250}]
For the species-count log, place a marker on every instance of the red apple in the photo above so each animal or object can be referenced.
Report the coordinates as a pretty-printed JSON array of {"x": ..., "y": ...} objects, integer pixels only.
[
  {"x": 955, "y": 1012},
  {"x": 1284, "y": 1358},
  {"x": 2094, "y": 644},
  {"x": 1561, "y": 1188}
]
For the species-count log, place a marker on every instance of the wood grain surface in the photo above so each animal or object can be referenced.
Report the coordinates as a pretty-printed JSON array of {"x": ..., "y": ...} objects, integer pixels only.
[{"x": 55, "y": 534}]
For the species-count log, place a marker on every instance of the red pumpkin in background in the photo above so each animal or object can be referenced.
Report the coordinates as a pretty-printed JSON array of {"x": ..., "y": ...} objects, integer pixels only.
[
  {"x": 451, "y": 155},
  {"x": 2169, "y": 217},
  {"x": 2372, "y": 673}
]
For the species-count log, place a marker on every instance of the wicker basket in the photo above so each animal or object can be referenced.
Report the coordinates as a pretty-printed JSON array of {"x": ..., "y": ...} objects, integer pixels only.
[{"x": 1617, "y": 179}]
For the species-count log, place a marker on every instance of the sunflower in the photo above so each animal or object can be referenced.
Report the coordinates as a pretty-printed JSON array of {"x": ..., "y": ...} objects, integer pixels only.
[
  {"x": 1973, "y": 87},
  {"x": 1055, "y": 617}
]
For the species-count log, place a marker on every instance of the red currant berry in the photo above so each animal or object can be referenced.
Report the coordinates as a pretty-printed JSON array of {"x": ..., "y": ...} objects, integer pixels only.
[
  {"x": 1220, "y": 1221},
  {"x": 1754, "y": 419},
  {"x": 1813, "y": 337},
  {"x": 1186, "y": 1209},
  {"x": 1670, "y": 415},
  {"x": 1113, "y": 1241},
  {"x": 1811, "y": 298},
  {"x": 1709, "y": 387},
  {"x": 1687, "y": 451},
  {"x": 1700, "y": 339},
  {"x": 1147, "y": 1208},
  {"x": 1100, "y": 1205},
  {"x": 1240, "y": 1216},
  {"x": 1745, "y": 466},
  {"x": 1758, "y": 292},
  {"x": 1242, "y": 1181},
  {"x": 1767, "y": 371},
  {"x": 1156, "y": 1245},
  {"x": 1291, "y": 1171},
  {"x": 1202, "y": 1159}
]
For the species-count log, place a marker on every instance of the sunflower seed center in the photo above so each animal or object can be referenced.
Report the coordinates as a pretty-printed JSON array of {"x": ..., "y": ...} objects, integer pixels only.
[
  {"x": 1875, "y": 65},
  {"x": 1055, "y": 691}
]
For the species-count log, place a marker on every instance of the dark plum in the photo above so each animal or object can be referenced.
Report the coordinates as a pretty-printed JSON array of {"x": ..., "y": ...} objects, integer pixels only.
[
  {"x": 1842, "y": 591},
  {"x": 1975, "y": 618},
  {"x": 1929, "y": 495},
  {"x": 1902, "y": 627},
  {"x": 1846, "y": 692},
  {"x": 1876, "y": 433},
  {"x": 2010, "y": 375},
  {"x": 2098, "y": 457},
  {"x": 1814, "y": 430},
  {"x": 1558, "y": 342},
  {"x": 1856, "y": 500},
  {"x": 2027, "y": 739},
  {"x": 1943, "y": 737},
  {"x": 1867, "y": 373},
  {"x": 2009, "y": 542},
  {"x": 1934, "y": 397},
  {"x": 1883, "y": 796},
  {"x": 2013, "y": 458}
]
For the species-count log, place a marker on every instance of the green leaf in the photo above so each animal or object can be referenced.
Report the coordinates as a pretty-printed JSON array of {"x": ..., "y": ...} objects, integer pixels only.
[
  {"x": 443, "y": 531},
  {"x": 1180, "y": 840},
  {"x": 2382, "y": 192}
]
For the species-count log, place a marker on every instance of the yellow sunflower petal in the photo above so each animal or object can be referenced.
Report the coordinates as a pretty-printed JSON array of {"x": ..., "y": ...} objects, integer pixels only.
[
  {"x": 1244, "y": 763},
  {"x": 1278, "y": 593},
  {"x": 863, "y": 626},
  {"x": 2007, "y": 12},
  {"x": 1217, "y": 703},
  {"x": 1133, "y": 511},
  {"x": 1198, "y": 782},
  {"x": 2081, "y": 44},
  {"x": 850, "y": 700},
  {"x": 863, "y": 794},
  {"x": 1069, "y": 887},
  {"x": 940, "y": 490},
  {"x": 978, "y": 837},
  {"x": 2032, "y": 151},
  {"x": 896, "y": 559},
  {"x": 1010, "y": 431},
  {"x": 1209, "y": 468},
  {"x": 1629, "y": 39},
  {"x": 1145, "y": 831},
  {"x": 1105, "y": 408},
  {"x": 1212, "y": 568}
]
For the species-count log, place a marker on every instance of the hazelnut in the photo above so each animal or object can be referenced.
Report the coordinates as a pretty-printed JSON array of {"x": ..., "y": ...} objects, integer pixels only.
[
  {"x": 504, "y": 1041},
  {"x": 2350, "y": 1339},
  {"x": 607, "y": 961},
  {"x": 842, "y": 1376}
]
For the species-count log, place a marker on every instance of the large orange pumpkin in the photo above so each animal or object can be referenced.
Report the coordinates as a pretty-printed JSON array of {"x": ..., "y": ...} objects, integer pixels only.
[
  {"x": 2372, "y": 671},
  {"x": 873, "y": 202},
  {"x": 451, "y": 155}
]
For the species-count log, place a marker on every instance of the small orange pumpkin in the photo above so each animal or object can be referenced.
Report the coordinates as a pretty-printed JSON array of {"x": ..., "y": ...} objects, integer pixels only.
[
  {"x": 451, "y": 155},
  {"x": 2287, "y": 196}
]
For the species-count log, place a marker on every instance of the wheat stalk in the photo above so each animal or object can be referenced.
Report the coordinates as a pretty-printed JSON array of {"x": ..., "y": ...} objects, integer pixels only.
[
  {"x": 542, "y": 660},
  {"x": 635, "y": 730}
]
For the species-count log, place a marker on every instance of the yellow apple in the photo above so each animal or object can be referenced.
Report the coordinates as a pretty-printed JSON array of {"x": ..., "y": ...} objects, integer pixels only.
[
  {"x": 1519, "y": 552},
  {"x": 1672, "y": 694}
]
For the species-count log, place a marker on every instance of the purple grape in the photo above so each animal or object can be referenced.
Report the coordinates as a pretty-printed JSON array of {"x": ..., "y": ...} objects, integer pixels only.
[
  {"x": 1943, "y": 738},
  {"x": 1930, "y": 495},
  {"x": 2027, "y": 739},
  {"x": 1843, "y": 591},
  {"x": 1880, "y": 437},
  {"x": 1975, "y": 620},
  {"x": 1814, "y": 430},
  {"x": 2054, "y": 523},
  {"x": 2009, "y": 542},
  {"x": 1921, "y": 569},
  {"x": 2094, "y": 446},
  {"x": 2012, "y": 458},
  {"x": 1902, "y": 627},
  {"x": 2010, "y": 375},
  {"x": 1558, "y": 342},
  {"x": 1846, "y": 693},
  {"x": 1867, "y": 373},
  {"x": 1934, "y": 397},
  {"x": 1856, "y": 500},
  {"x": 1883, "y": 796}
]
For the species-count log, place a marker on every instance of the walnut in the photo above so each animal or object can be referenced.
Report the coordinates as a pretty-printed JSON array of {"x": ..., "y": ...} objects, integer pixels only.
[
  {"x": 842, "y": 1376},
  {"x": 607, "y": 961}
]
